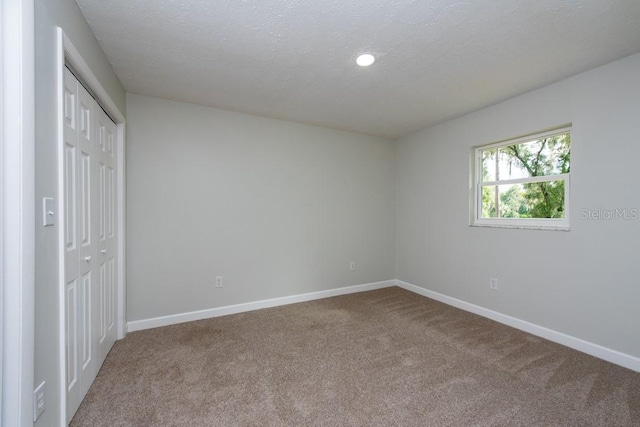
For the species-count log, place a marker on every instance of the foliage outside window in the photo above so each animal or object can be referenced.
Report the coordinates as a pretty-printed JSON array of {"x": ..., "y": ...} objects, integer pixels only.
[{"x": 524, "y": 182}]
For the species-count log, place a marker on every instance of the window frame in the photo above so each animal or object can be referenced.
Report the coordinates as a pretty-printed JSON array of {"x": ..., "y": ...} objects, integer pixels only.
[{"x": 561, "y": 224}]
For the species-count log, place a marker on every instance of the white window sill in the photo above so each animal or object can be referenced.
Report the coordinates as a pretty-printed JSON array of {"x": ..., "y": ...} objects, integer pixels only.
[{"x": 548, "y": 227}]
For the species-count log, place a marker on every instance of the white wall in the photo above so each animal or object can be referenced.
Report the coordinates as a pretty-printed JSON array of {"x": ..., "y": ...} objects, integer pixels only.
[
  {"x": 585, "y": 282},
  {"x": 275, "y": 208},
  {"x": 50, "y": 14}
]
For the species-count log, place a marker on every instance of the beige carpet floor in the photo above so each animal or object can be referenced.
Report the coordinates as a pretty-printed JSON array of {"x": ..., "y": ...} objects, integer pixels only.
[{"x": 379, "y": 358}]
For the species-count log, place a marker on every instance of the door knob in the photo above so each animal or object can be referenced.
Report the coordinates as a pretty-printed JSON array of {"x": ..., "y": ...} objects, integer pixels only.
[{"x": 87, "y": 258}]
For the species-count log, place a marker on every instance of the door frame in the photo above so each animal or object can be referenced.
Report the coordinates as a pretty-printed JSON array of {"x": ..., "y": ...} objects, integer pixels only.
[
  {"x": 69, "y": 55},
  {"x": 17, "y": 145}
]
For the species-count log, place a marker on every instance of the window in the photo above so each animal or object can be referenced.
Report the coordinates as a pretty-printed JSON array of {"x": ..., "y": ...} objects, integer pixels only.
[{"x": 524, "y": 182}]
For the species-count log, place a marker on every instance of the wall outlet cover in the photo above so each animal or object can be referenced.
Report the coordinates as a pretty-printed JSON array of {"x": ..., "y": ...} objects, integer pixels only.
[{"x": 39, "y": 400}]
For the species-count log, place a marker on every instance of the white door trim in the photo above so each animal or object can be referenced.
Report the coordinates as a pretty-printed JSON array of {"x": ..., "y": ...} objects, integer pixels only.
[
  {"x": 68, "y": 54},
  {"x": 18, "y": 212},
  {"x": 2, "y": 246}
]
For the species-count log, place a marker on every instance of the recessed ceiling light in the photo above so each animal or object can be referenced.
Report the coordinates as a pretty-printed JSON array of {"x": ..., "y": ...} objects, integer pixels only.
[{"x": 365, "y": 60}]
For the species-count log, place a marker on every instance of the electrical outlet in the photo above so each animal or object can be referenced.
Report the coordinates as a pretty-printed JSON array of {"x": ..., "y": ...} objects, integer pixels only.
[
  {"x": 493, "y": 283},
  {"x": 352, "y": 266},
  {"x": 39, "y": 401},
  {"x": 218, "y": 282}
]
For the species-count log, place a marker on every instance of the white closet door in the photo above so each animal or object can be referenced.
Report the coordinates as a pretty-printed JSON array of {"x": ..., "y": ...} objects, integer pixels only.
[
  {"x": 89, "y": 357},
  {"x": 74, "y": 331},
  {"x": 89, "y": 197},
  {"x": 106, "y": 156}
]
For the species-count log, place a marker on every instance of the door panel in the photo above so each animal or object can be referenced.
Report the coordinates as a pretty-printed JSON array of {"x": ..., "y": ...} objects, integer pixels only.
[
  {"x": 70, "y": 135},
  {"x": 72, "y": 246},
  {"x": 102, "y": 332},
  {"x": 111, "y": 303},
  {"x": 106, "y": 233},
  {"x": 88, "y": 249},
  {"x": 72, "y": 337},
  {"x": 86, "y": 310}
]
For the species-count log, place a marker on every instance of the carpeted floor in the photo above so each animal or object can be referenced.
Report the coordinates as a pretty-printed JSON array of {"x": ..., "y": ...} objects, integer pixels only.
[{"x": 380, "y": 358}]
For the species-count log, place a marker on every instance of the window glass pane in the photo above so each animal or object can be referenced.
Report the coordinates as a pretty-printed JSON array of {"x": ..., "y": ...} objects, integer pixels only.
[
  {"x": 489, "y": 165},
  {"x": 529, "y": 200},
  {"x": 544, "y": 156}
]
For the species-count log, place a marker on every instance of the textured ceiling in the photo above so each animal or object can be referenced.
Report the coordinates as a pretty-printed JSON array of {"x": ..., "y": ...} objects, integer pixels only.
[{"x": 294, "y": 59}]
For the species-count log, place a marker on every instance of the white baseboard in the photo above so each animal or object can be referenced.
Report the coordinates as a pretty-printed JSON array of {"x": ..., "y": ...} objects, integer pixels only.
[
  {"x": 604, "y": 353},
  {"x": 174, "y": 319},
  {"x": 596, "y": 350}
]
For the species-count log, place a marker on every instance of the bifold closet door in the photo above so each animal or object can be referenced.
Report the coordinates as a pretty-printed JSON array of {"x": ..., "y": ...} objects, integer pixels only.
[
  {"x": 89, "y": 254},
  {"x": 106, "y": 157}
]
